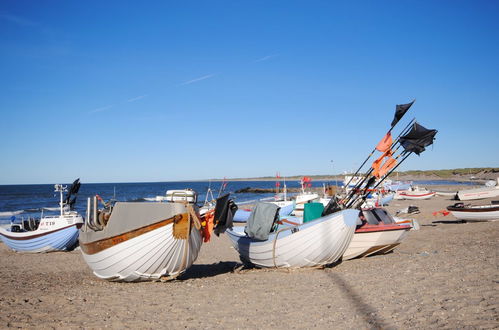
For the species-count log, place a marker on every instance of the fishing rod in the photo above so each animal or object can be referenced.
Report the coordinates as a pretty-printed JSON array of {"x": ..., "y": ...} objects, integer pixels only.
[
  {"x": 360, "y": 183},
  {"x": 363, "y": 198},
  {"x": 366, "y": 188},
  {"x": 420, "y": 137},
  {"x": 389, "y": 131}
]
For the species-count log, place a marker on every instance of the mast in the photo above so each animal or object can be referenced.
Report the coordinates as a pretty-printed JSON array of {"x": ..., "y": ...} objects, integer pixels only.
[{"x": 60, "y": 189}]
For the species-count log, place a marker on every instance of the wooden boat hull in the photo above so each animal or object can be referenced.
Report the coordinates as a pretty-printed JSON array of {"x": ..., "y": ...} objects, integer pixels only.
[
  {"x": 145, "y": 249},
  {"x": 475, "y": 213},
  {"x": 315, "y": 243},
  {"x": 61, "y": 239},
  {"x": 383, "y": 240}
]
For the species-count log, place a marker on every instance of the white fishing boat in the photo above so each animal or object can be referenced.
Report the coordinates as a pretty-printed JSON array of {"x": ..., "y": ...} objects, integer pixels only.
[
  {"x": 445, "y": 193},
  {"x": 48, "y": 233},
  {"x": 414, "y": 193},
  {"x": 475, "y": 212},
  {"x": 182, "y": 195},
  {"x": 319, "y": 242},
  {"x": 141, "y": 241},
  {"x": 479, "y": 193},
  {"x": 373, "y": 236}
]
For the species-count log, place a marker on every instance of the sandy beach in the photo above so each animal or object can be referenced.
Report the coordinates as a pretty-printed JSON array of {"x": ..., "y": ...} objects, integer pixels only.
[{"x": 444, "y": 275}]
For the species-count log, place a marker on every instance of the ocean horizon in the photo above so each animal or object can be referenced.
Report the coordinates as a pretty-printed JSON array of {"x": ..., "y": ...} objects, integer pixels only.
[{"x": 30, "y": 200}]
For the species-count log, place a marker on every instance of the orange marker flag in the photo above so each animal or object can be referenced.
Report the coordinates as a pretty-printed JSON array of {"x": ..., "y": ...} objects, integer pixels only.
[
  {"x": 387, "y": 166},
  {"x": 378, "y": 169},
  {"x": 385, "y": 143}
]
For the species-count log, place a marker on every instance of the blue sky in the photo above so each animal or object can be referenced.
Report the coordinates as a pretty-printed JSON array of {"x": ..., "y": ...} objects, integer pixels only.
[{"x": 111, "y": 91}]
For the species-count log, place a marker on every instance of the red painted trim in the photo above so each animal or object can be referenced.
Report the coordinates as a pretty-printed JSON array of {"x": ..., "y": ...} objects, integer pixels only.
[
  {"x": 368, "y": 228},
  {"x": 422, "y": 195},
  {"x": 473, "y": 209}
]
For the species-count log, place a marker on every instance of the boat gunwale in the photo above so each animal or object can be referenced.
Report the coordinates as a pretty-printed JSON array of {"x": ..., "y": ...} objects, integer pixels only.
[
  {"x": 28, "y": 237},
  {"x": 105, "y": 243}
]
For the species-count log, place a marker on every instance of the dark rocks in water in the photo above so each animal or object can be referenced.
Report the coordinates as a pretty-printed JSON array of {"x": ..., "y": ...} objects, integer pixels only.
[{"x": 263, "y": 190}]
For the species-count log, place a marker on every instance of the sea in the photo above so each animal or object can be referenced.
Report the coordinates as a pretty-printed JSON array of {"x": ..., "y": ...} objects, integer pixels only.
[{"x": 34, "y": 200}]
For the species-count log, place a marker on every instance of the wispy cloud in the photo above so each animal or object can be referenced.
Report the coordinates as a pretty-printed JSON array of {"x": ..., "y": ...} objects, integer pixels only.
[
  {"x": 197, "y": 79},
  {"x": 265, "y": 58},
  {"x": 16, "y": 19},
  {"x": 107, "y": 107},
  {"x": 133, "y": 99}
]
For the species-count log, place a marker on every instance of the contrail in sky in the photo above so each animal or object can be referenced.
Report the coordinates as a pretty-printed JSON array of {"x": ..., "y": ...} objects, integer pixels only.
[
  {"x": 197, "y": 79},
  {"x": 265, "y": 58},
  {"x": 107, "y": 107},
  {"x": 133, "y": 99}
]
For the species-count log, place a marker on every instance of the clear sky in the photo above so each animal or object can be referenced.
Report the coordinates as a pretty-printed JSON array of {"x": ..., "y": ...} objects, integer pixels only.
[{"x": 112, "y": 91}]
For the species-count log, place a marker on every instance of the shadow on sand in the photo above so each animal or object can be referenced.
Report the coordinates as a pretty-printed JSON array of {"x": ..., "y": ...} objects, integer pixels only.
[
  {"x": 449, "y": 221},
  {"x": 366, "y": 311},
  {"x": 202, "y": 271}
]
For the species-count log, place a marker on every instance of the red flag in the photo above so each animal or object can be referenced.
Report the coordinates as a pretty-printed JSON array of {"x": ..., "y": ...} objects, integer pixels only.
[{"x": 385, "y": 143}]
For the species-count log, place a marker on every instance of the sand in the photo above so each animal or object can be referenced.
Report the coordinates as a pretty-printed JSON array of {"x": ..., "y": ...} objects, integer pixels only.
[{"x": 444, "y": 275}]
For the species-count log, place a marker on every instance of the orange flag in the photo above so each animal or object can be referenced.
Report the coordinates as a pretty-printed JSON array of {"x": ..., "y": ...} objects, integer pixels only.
[
  {"x": 387, "y": 166},
  {"x": 385, "y": 143},
  {"x": 380, "y": 168}
]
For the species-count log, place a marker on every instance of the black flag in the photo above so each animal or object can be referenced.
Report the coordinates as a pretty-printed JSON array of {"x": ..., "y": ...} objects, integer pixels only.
[
  {"x": 400, "y": 110},
  {"x": 73, "y": 190},
  {"x": 417, "y": 139}
]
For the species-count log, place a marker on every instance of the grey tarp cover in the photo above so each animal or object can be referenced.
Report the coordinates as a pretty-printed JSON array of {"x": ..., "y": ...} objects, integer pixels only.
[{"x": 261, "y": 220}]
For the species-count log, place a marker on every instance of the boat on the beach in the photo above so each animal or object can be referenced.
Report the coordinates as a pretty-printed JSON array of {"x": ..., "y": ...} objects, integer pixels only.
[
  {"x": 140, "y": 241},
  {"x": 397, "y": 185},
  {"x": 327, "y": 232},
  {"x": 414, "y": 193},
  {"x": 287, "y": 244},
  {"x": 479, "y": 193},
  {"x": 475, "y": 212},
  {"x": 48, "y": 233},
  {"x": 377, "y": 233},
  {"x": 445, "y": 193},
  {"x": 188, "y": 195}
]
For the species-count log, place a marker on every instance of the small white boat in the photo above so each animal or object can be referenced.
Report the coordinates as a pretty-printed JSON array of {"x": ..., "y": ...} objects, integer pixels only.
[
  {"x": 315, "y": 243},
  {"x": 445, "y": 193},
  {"x": 375, "y": 237},
  {"x": 414, "y": 193},
  {"x": 49, "y": 233},
  {"x": 302, "y": 199},
  {"x": 475, "y": 212},
  {"x": 178, "y": 195},
  {"x": 396, "y": 185},
  {"x": 479, "y": 193},
  {"x": 140, "y": 241}
]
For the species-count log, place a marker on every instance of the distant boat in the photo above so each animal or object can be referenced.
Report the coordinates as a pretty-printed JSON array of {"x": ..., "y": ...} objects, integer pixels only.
[
  {"x": 141, "y": 241},
  {"x": 475, "y": 212},
  {"x": 49, "y": 233},
  {"x": 445, "y": 193},
  {"x": 479, "y": 193},
  {"x": 375, "y": 236},
  {"x": 414, "y": 193},
  {"x": 183, "y": 195},
  {"x": 397, "y": 185}
]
